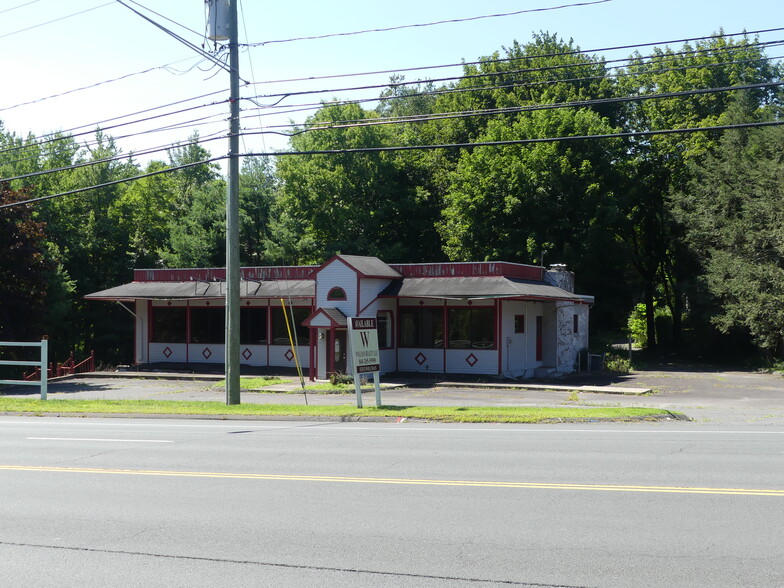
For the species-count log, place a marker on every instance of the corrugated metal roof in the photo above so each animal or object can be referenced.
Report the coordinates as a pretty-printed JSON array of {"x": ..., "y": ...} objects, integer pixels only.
[
  {"x": 478, "y": 287},
  {"x": 167, "y": 290}
]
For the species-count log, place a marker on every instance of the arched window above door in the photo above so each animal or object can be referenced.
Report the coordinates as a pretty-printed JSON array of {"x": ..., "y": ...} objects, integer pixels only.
[{"x": 336, "y": 293}]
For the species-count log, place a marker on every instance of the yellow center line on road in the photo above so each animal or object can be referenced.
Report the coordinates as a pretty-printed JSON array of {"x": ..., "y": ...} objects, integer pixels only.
[{"x": 403, "y": 481}]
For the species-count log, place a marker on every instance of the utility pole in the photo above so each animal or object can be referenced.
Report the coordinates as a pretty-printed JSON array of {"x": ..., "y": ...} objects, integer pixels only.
[{"x": 232, "y": 349}]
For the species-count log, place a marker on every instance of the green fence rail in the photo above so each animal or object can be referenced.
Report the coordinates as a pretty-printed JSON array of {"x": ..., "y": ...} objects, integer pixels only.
[{"x": 44, "y": 346}]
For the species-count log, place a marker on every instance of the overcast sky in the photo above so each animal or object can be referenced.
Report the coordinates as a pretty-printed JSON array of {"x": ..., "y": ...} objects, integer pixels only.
[{"x": 92, "y": 42}]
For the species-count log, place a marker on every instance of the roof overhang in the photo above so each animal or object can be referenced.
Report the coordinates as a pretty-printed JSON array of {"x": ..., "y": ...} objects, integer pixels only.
[
  {"x": 477, "y": 288},
  {"x": 205, "y": 290}
]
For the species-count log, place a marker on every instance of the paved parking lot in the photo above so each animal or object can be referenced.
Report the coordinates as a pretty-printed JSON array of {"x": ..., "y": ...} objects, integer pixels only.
[{"x": 705, "y": 395}]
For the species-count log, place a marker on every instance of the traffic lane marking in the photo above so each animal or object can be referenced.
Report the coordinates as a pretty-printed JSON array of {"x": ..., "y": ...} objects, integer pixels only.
[{"x": 404, "y": 481}]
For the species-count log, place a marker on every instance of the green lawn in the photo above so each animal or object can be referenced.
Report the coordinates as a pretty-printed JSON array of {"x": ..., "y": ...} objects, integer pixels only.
[{"x": 446, "y": 414}]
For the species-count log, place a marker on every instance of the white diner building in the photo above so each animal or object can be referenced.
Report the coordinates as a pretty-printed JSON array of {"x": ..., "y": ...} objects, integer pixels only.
[{"x": 475, "y": 318}]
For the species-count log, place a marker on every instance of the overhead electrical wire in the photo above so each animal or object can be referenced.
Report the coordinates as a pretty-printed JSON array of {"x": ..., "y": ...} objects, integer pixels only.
[
  {"x": 441, "y": 116},
  {"x": 429, "y": 24},
  {"x": 174, "y": 35},
  {"x": 3, "y": 36},
  {"x": 179, "y": 24},
  {"x": 634, "y": 134},
  {"x": 506, "y": 86},
  {"x": 536, "y": 56},
  {"x": 328, "y": 125},
  {"x": 560, "y": 66},
  {"x": 450, "y": 65},
  {"x": 620, "y": 135},
  {"x": 114, "y": 182},
  {"x": 19, "y": 6},
  {"x": 113, "y": 158},
  {"x": 59, "y": 137},
  {"x": 377, "y": 121},
  {"x": 96, "y": 84}
]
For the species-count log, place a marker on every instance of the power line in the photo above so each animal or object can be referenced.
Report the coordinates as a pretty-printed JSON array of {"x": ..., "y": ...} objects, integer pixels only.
[
  {"x": 537, "y": 56},
  {"x": 19, "y": 6},
  {"x": 464, "y": 76},
  {"x": 327, "y": 125},
  {"x": 456, "y": 90},
  {"x": 428, "y": 24},
  {"x": 631, "y": 134},
  {"x": 113, "y": 158},
  {"x": 179, "y": 24},
  {"x": 627, "y": 135},
  {"x": 113, "y": 183},
  {"x": 55, "y": 20},
  {"x": 137, "y": 121},
  {"x": 96, "y": 84},
  {"x": 174, "y": 35}
]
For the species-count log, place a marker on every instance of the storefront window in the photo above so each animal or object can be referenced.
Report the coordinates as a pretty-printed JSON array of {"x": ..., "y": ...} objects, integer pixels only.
[
  {"x": 471, "y": 328},
  {"x": 422, "y": 327},
  {"x": 168, "y": 324},
  {"x": 280, "y": 334},
  {"x": 208, "y": 325},
  {"x": 253, "y": 325}
]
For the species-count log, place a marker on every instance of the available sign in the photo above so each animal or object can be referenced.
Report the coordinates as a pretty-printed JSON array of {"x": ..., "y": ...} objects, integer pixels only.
[{"x": 364, "y": 345}]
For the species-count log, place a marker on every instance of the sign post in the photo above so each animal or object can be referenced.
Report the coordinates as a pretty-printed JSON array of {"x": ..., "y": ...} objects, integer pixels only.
[{"x": 363, "y": 334}]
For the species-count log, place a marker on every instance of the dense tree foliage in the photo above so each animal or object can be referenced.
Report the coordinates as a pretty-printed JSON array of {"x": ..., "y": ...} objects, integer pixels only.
[
  {"x": 688, "y": 224},
  {"x": 23, "y": 271},
  {"x": 733, "y": 211}
]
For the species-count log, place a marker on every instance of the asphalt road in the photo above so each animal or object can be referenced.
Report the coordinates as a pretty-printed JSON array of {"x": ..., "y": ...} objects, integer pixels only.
[{"x": 98, "y": 502}]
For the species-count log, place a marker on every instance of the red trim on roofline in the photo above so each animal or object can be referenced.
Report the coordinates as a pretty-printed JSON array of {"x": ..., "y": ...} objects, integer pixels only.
[
  {"x": 217, "y": 274},
  {"x": 470, "y": 270}
]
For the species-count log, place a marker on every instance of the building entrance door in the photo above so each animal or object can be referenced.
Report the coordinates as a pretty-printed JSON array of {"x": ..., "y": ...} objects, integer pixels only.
[{"x": 338, "y": 351}]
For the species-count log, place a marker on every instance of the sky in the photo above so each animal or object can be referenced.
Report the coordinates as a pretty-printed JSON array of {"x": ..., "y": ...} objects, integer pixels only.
[{"x": 51, "y": 47}]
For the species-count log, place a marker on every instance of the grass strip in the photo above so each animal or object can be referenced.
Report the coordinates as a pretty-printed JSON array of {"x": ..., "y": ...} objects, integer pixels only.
[
  {"x": 254, "y": 382},
  {"x": 472, "y": 414}
]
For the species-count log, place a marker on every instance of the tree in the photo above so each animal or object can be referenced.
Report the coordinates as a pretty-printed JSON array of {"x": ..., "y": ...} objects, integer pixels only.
[
  {"x": 198, "y": 235},
  {"x": 555, "y": 199},
  {"x": 365, "y": 203},
  {"x": 733, "y": 212},
  {"x": 659, "y": 166},
  {"x": 143, "y": 212},
  {"x": 23, "y": 270}
]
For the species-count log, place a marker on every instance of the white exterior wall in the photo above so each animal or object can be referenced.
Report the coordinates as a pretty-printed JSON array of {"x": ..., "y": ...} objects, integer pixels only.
[
  {"x": 282, "y": 356},
  {"x": 339, "y": 274},
  {"x": 518, "y": 350},
  {"x": 368, "y": 296},
  {"x": 142, "y": 332},
  {"x": 421, "y": 360}
]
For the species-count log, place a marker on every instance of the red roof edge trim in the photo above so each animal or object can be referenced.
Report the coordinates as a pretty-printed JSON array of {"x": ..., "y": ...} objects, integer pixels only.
[
  {"x": 472, "y": 269},
  {"x": 218, "y": 274}
]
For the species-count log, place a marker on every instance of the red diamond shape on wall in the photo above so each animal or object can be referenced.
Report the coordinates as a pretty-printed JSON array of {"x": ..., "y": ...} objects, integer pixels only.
[
  {"x": 167, "y": 352},
  {"x": 471, "y": 360},
  {"x": 288, "y": 355},
  {"x": 420, "y": 358},
  {"x": 247, "y": 354},
  {"x": 207, "y": 353}
]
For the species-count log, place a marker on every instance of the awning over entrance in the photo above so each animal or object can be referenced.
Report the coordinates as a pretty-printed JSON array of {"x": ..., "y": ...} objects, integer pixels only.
[
  {"x": 326, "y": 317},
  {"x": 464, "y": 288},
  {"x": 197, "y": 289}
]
